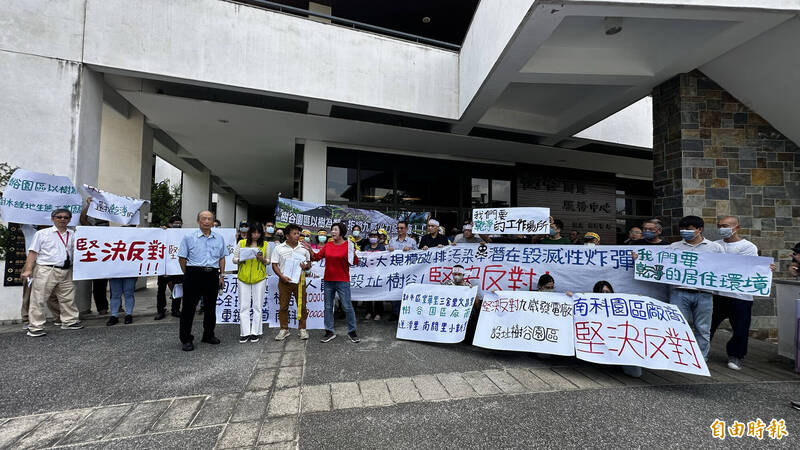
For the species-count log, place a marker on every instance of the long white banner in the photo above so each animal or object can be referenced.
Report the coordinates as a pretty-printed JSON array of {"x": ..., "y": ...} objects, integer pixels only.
[
  {"x": 526, "y": 321},
  {"x": 112, "y": 207},
  {"x": 228, "y": 304},
  {"x": 720, "y": 272},
  {"x": 435, "y": 313},
  {"x": 118, "y": 252},
  {"x": 635, "y": 330}
]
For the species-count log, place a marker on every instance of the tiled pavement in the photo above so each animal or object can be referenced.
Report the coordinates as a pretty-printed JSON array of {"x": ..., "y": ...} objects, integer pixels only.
[{"x": 267, "y": 412}]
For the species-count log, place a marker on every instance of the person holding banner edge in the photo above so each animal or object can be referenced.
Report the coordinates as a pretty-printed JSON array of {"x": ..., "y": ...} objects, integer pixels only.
[
  {"x": 202, "y": 259},
  {"x": 252, "y": 282},
  {"x": 339, "y": 255},
  {"x": 283, "y": 257}
]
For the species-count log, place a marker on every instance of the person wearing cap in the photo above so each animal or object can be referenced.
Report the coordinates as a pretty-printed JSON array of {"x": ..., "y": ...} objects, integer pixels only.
[
  {"x": 242, "y": 233},
  {"x": 383, "y": 237},
  {"x": 305, "y": 236},
  {"x": 403, "y": 241},
  {"x": 466, "y": 236},
  {"x": 591, "y": 238},
  {"x": 433, "y": 238},
  {"x": 322, "y": 238}
]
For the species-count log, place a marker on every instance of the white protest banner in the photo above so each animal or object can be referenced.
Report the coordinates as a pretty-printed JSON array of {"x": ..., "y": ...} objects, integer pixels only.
[
  {"x": 228, "y": 304},
  {"x": 506, "y": 267},
  {"x": 527, "y": 321},
  {"x": 30, "y": 197},
  {"x": 118, "y": 252},
  {"x": 636, "y": 331},
  {"x": 112, "y": 207},
  {"x": 173, "y": 239},
  {"x": 511, "y": 220},
  {"x": 435, "y": 313},
  {"x": 720, "y": 272}
]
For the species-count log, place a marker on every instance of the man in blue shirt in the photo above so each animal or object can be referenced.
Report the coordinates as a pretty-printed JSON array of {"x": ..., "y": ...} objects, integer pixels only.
[{"x": 202, "y": 259}]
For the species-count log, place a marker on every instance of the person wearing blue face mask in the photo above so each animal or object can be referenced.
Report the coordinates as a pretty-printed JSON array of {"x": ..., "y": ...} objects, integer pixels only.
[
  {"x": 696, "y": 305},
  {"x": 734, "y": 307},
  {"x": 651, "y": 234},
  {"x": 555, "y": 237}
]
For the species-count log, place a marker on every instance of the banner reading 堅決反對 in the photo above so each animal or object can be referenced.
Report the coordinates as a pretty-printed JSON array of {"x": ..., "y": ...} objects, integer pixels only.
[
  {"x": 635, "y": 330},
  {"x": 722, "y": 272},
  {"x": 524, "y": 220},
  {"x": 435, "y": 313},
  {"x": 119, "y": 252},
  {"x": 30, "y": 198},
  {"x": 315, "y": 217},
  {"x": 526, "y": 321}
]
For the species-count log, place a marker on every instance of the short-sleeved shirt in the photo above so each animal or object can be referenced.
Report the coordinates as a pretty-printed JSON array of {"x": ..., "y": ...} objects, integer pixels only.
[
  {"x": 50, "y": 246},
  {"x": 200, "y": 250},
  {"x": 460, "y": 239},
  {"x": 740, "y": 247},
  {"x": 397, "y": 244},
  {"x": 704, "y": 246},
  {"x": 431, "y": 242},
  {"x": 284, "y": 253},
  {"x": 378, "y": 248}
]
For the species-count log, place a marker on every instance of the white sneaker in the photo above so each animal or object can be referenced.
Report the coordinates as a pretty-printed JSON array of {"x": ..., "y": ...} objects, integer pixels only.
[
  {"x": 735, "y": 364},
  {"x": 283, "y": 334},
  {"x": 377, "y": 317},
  {"x": 368, "y": 316},
  {"x": 303, "y": 334},
  {"x": 26, "y": 326}
]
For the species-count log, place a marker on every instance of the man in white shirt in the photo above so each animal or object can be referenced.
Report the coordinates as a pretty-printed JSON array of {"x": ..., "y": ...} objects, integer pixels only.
[
  {"x": 49, "y": 266},
  {"x": 734, "y": 307},
  {"x": 697, "y": 305},
  {"x": 291, "y": 258},
  {"x": 402, "y": 241}
]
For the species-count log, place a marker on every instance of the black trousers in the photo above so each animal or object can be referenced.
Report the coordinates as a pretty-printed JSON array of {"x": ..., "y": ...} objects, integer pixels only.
[
  {"x": 99, "y": 288},
  {"x": 161, "y": 292},
  {"x": 738, "y": 312},
  {"x": 199, "y": 283}
]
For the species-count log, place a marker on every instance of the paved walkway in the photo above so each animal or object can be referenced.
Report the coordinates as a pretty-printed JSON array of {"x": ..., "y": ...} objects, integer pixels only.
[{"x": 130, "y": 386}]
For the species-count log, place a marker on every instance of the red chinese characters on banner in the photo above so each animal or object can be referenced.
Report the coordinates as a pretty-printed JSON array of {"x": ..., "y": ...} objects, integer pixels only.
[
  {"x": 491, "y": 277},
  {"x": 112, "y": 252}
]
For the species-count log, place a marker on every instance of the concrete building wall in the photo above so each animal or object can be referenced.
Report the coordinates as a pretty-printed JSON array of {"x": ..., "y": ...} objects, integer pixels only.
[
  {"x": 195, "y": 195},
  {"x": 222, "y": 43},
  {"x": 714, "y": 156},
  {"x": 315, "y": 171},
  {"x": 226, "y": 209},
  {"x": 631, "y": 126}
]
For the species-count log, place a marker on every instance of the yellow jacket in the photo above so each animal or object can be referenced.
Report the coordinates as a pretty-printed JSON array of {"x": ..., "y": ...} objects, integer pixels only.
[{"x": 252, "y": 271}]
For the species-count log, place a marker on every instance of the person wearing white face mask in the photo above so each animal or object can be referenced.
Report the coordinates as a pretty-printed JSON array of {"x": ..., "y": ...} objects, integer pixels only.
[
  {"x": 696, "y": 305},
  {"x": 590, "y": 239},
  {"x": 735, "y": 307}
]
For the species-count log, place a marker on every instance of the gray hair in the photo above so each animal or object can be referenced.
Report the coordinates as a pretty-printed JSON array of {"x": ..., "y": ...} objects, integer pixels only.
[
  {"x": 654, "y": 221},
  {"x": 59, "y": 211}
]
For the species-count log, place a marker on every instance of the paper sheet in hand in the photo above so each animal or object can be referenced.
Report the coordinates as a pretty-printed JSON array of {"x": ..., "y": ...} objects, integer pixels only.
[
  {"x": 248, "y": 253},
  {"x": 293, "y": 269},
  {"x": 177, "y": 290}
]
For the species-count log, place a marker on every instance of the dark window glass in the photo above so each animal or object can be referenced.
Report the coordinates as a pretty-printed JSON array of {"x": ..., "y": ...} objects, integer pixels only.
[
  {"x": 341, "y": 184},
  {"x": 501, "y": 193}
]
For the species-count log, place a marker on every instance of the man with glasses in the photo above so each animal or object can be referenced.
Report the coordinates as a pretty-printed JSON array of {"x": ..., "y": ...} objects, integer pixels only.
[
  {"x": 402, "y": 241},
  {"x": 49, "y": 267}
]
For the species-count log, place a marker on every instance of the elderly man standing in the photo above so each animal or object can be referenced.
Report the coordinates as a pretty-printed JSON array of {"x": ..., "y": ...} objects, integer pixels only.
[
  {"x": 433, "y": 238},
  {"x": 202, "y": 259},
  {"x": 51, "y": 254}
]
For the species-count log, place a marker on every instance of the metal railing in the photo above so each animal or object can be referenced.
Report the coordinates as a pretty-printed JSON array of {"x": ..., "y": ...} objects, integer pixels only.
[{"x": 349, "y": 23}]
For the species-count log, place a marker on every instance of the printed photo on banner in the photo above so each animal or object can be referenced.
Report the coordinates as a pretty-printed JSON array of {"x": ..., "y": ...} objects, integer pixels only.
[
  {"x": 521, "y": 321},
  {"x": 112, "y": 207},
  {"x": 721, "y": 272},
  {"x": 315, "y": 217},
  {"x": 30, "y": 197},
  {"x": 635, "y": 330},
  {"x": 511, "y": 220},
  {"x": 435, "y": 313}
]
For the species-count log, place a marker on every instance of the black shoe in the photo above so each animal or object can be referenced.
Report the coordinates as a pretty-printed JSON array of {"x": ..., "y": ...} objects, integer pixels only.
[
  {"x": 210, "y": 340},
  {"x": 112, "y": 321},
  {"x": 243, "y": 339},
  {"x": 36, "y": 333},
  {"x": 353, "y": 337},
  {"x": 795, "y": 405},
  {"x": 128, "y": 319},
  {"x": 255, "y": 338},
  {"x": 202, "y": 310},
  {"x": 175, "y": 314},
  {"x": 187, "y": 347},
  {"x": 329, "y": 336},
  {"x": 72, "y": 326},
  {"x": 159, "y": 316}
]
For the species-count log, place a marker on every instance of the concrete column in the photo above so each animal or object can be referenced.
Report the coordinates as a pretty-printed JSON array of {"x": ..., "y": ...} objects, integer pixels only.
[
  {"x": 226, "y": 209},
  {"x": 126, "y": 156},
  {"x": 195, "y": 195},
  {"x": 315, "y": 171},
  {"x": 49, "y": 122},
  {"x": 241, "y": 211}
]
